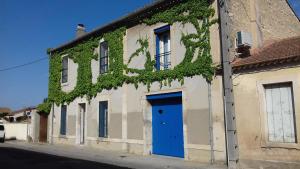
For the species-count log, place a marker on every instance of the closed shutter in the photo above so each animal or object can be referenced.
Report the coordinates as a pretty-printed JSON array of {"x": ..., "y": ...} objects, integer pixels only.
[
  {"x": 64, "y": 75},
  {"x": 280, "y": 113},
  {"x": 103, "y": 57},
  {"x": 103, "y": 114},
  {"x": 63, "y": 120}
]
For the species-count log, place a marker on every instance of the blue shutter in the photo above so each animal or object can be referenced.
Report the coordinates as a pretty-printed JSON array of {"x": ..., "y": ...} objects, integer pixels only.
[
  {"x": 158, "y": 32},
  {"x": 103, "y": 57},
  {"x": 64, "y": 70},
  {"x": 63, "y": 120},
  {"x": 157, "y": 53},
  {"x": 103, "y": 118}
]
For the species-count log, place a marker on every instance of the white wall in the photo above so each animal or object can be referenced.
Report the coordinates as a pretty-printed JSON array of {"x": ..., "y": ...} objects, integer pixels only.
[{"x": 16, "y": 130}]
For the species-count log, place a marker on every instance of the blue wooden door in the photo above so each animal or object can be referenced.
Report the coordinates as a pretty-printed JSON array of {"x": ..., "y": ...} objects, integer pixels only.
[{"x": 167, "y": 127}]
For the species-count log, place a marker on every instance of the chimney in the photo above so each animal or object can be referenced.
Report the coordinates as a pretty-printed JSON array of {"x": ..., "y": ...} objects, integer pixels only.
[{"x": 80, "y": 30}]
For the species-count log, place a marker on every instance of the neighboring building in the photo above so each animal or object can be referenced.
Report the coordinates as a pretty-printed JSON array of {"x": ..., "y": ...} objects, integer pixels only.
[
  {"x": 23, "y": 124},
  {"x": 136, "y": 85},
  {"x": 136, "y": 115},
  {"x": 266, "y": 88},
  {"x": 21, "y": 115},
  {"x": 266, "y": 83}
]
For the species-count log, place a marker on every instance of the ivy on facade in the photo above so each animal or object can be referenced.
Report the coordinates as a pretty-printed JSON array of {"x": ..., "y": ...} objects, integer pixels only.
[
  {"x": 197, "y": 59},
  {"x": 44, "y": 107}
]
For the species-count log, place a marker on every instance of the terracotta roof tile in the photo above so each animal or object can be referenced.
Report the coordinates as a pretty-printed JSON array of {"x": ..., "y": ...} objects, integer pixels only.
[{"x": 281, "y": 51}]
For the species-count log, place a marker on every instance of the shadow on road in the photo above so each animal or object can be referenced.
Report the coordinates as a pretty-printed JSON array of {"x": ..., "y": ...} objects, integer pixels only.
[{"x": 11, "y": 158}]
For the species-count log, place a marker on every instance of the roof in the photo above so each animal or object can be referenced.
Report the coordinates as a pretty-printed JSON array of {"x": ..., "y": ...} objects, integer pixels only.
[
  {"x": 5, "y": 110},
  {"x": 276, "y": 53},
  {"x": 127, "y": 20},
  {"x": 22, "y": 110}
]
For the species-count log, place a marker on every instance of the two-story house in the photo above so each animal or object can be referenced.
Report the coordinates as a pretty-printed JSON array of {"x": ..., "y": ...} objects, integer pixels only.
[
  {"x": 146, "y": 83},
  {"x": 143, "y": 84}
]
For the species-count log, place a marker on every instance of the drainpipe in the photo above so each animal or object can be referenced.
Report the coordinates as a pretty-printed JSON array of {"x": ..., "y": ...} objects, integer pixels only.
[
  {"x": 211, "y": 133},
  {"x": 52, "y": 119},
  {"x": 228, "y": 101},
  {"x": 27, "y": 132}
]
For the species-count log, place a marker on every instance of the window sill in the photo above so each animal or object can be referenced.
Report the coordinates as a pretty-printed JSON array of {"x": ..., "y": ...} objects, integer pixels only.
[
  {"x": 103, "y": 139},
  {"x": 62, "y": 136},
  {"x": 64, "y": 84},
  {"x": 281, "y": 145}
]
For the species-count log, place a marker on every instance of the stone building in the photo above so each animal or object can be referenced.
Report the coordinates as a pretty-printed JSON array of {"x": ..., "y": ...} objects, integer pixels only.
[
  {"x": 135, "y": 116},
  {"x": 265, "y": 83},
  {"x": 145, "y": 83}
]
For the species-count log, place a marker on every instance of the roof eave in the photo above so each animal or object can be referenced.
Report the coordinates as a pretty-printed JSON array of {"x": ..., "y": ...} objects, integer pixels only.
[{"x": 125, "y": 20}]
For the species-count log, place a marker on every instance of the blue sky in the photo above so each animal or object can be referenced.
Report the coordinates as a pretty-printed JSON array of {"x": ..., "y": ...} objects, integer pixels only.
[
  {"x": 28, "y": 28},
  {"x": 295, "y": 4}
]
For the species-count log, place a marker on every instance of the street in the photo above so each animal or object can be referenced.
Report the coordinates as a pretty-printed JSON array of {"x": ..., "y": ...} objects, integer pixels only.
[
  {"x": 12, "y": 158},
  {"x": 20, "y": 154}
]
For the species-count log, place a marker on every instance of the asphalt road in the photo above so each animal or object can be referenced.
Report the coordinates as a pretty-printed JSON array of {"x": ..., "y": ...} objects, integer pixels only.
[{"x": 11, "y": 158}]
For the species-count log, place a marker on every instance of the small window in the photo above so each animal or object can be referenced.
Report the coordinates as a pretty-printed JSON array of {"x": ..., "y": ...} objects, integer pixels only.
[
  {"x": 280, "y": 113},
  {"x": 64, "y": 74},
  {"x": 103, "y": 57},
  {"x": 103, "y": 118},
  {"x": 63, "y": 120},
  {"x": 163, "y": 48}
]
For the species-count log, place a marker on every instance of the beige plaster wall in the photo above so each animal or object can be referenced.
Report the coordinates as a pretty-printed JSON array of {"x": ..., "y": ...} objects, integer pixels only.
[
  {"x": 72, "y": 76},
  {"x": 266, "y": 20},
  {"x": 129, "y": 125},
  {"x": 251, "y": 115}
]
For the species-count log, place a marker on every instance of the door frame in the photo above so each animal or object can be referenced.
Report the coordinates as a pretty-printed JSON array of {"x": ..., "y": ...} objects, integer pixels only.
[
  {"x": 78, "y": 122},
  {"x": 82, "y": 117}
]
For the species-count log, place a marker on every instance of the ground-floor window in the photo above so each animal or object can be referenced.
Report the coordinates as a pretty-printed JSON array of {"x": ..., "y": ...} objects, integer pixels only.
[
  {"x": 63, "y": 120},
  {"x": 280, "y": 112},
  {"x": 103, "y": 114}
]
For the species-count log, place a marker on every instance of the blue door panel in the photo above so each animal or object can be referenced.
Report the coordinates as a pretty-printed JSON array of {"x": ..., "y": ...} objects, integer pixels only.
[{"x": 167, "y": 127}]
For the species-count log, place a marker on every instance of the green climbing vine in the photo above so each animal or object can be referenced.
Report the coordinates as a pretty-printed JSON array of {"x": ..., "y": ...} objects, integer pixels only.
[
  {"x": 44, "y": 107},
  {"x": 83, "y": 54},
  {"x": 197, "y": 59}
]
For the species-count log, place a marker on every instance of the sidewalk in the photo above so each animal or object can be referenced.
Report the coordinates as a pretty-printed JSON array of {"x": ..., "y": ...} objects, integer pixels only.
[{"x": 111, "y": 157}]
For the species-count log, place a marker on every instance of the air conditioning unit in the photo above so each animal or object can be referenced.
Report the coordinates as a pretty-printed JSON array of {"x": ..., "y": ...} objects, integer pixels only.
[{"x": 243, "y": 39}]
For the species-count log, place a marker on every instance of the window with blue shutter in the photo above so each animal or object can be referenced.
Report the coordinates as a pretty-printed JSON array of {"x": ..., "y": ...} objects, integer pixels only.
[
  {"x": 63, "y": 120},
  {"x": 103, "y": 57},
  {"x": 103, "y": 118},
  {"x": 163, "y": 48},
  {"x": 64, "y": 73}
]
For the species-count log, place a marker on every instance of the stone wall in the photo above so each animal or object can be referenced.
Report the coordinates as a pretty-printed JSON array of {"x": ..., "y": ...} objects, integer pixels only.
[{"x": 266, "y": 20}]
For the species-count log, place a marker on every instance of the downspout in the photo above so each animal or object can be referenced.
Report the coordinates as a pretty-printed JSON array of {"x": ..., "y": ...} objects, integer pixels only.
[
  {"x": 52, "y": 114},
  {"x": 52, "y": 121},
  {"x": 211, "y": 132},
  {"x": 232, "y": 148}
]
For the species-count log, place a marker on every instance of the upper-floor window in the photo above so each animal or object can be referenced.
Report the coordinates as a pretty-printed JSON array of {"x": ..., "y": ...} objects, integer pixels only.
[
  {"x": 64, "y": 74},
  {"x": 103, "y": 57},
  {"x": 163, "y": 48},
  {"x": 280, "y": 113}
]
